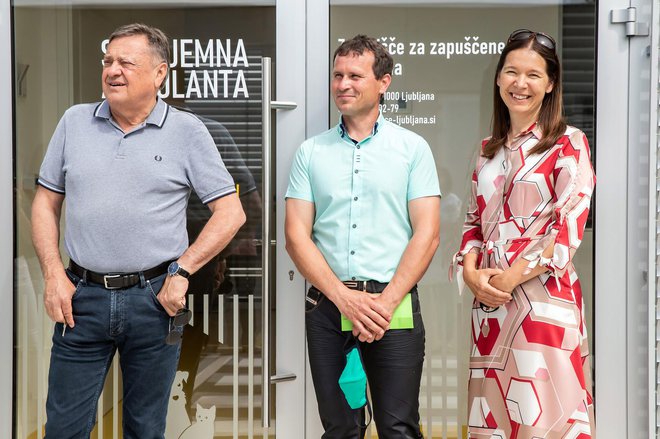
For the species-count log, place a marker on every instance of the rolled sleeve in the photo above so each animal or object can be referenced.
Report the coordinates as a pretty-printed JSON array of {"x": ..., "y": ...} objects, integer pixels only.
[{"x": 574, "y": 184}]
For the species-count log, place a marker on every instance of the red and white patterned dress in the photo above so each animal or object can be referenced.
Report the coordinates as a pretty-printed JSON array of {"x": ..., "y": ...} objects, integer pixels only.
[{"x": 529, "y": 366}]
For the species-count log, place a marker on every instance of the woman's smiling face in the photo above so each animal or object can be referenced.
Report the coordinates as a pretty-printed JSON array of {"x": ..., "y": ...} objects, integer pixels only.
[{"x": 523, "y": 83}]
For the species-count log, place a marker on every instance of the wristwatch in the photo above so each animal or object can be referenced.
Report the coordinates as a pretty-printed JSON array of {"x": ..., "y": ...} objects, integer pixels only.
[{"x": 175, "y": 269}]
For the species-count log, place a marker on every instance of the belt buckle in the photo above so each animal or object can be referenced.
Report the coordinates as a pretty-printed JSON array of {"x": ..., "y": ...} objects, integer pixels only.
[
  {"x": 356, "y": 284},
  {"x": 110, "y": 276}
]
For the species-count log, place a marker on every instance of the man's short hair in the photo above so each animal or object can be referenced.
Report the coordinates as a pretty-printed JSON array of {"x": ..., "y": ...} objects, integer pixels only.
[
  {"x": 158, "y": 41},
  {"x": 383, "y": 62}
]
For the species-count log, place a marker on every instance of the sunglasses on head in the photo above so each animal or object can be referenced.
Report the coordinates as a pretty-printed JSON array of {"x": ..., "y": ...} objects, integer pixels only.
[
  {"x": 541, "y": 38},
  {"x": 180, "y": 319}
]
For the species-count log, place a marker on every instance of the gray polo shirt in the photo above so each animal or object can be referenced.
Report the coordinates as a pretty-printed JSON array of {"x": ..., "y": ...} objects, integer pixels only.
[{"x": 126, "y": 194}]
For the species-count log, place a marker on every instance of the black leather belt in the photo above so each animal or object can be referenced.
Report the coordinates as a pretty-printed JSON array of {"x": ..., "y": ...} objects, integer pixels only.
[
  {"x": 370, "y": 286},
  {"x": 115, "y": 281}
]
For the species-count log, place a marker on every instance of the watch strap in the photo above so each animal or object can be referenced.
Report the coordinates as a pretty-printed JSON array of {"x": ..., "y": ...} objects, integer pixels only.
[{"x": 183, "y": 272}]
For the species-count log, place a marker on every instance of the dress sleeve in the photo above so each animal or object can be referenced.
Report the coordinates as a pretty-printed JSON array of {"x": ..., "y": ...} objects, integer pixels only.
[
  {"x": 574, "y": 182},
  {"x": 472, "y": 235}
]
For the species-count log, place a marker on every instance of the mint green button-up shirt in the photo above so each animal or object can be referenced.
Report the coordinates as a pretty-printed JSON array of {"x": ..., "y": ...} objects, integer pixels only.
[{"x": 360, "y": 193}]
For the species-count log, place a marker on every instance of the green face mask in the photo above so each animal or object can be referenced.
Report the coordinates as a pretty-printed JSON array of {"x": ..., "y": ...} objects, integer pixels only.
[{"x": 353, "y": 380}]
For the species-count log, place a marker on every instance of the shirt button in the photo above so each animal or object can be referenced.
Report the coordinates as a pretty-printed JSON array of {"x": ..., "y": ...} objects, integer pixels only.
[
  {"x": 356, "y": 171},
  {"x": 352, "y": 252},
  {"x": 354, "y": 225},
  {"x": 354, "y": 198},
  {"x": 358, "y": 147},
  {"x": 353, "y": 278}
]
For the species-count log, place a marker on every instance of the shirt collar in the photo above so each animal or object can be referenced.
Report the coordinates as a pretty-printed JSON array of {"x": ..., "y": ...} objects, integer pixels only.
[
  {"x": 343, "y": 132},
  {"x": 533, "y": 130},
  {"x": 156, "y": 117}
]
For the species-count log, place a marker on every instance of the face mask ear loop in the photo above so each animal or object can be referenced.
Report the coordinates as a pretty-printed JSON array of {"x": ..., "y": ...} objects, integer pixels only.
[
  {"x": 360, "y": 411},
  {"x": 370, "y": 414}
]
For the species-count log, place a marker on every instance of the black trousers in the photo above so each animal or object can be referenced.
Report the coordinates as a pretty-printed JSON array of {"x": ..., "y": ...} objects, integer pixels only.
[{"x": 393, "y": 366}]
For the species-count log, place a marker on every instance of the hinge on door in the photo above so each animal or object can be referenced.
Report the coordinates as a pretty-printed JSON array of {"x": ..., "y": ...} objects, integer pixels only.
[{"x": 629, "y": 17}]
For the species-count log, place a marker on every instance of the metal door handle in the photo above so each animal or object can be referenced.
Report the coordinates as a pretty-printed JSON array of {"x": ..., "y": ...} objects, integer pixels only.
[
  {"x": 282, "y": 377},
  {"x": 258, "y": 242},
  {"x": 266, "y": 106},
  {"x": 281, "y": 105}
]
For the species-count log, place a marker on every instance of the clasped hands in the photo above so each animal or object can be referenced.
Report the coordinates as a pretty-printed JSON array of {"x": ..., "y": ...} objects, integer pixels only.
[
  {"x": 370, "y": 313},
  {"x": 490, "y": 286}
]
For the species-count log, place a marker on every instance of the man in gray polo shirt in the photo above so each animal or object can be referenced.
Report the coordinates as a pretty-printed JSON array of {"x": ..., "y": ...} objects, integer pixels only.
[{"x": 127, "y": 166}]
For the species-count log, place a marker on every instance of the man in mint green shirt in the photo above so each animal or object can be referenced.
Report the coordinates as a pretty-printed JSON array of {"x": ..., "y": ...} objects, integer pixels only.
[{"x": 362, "y": 225}]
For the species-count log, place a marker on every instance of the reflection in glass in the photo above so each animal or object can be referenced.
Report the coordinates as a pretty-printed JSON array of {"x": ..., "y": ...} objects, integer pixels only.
[
  {"x": 445, "y": 57},
  {"x": 217, "y": 389}
]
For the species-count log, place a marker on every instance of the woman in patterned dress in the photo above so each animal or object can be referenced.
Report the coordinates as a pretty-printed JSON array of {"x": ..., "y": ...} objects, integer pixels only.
[{"x": 531, "y": 190}]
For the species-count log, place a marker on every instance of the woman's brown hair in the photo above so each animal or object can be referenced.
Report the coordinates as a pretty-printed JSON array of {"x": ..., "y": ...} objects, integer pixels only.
[{"x": 551, "y": 117}]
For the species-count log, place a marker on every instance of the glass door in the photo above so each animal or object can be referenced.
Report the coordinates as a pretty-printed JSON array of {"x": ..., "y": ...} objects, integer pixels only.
[
  {"x": 217, "y": 73},
  {"x": 445, "y": 57}
]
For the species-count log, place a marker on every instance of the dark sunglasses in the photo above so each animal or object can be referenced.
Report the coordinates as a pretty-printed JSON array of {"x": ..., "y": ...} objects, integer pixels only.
[
  {"x": 541, "y": 38},
  {"x": 177, "y": 322}
]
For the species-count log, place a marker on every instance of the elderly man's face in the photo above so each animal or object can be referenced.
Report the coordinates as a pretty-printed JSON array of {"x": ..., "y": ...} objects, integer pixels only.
[{"x": 131, "y": 73}]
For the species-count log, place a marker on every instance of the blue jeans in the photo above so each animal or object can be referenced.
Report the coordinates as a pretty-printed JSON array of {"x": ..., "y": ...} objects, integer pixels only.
[
  {"x": 393, "y": 366},
  {"x": 131, "y": 321}
]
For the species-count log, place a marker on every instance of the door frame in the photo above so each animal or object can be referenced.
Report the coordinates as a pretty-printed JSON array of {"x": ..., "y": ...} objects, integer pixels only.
[
  {"x": 654, "y": 133},
  {"x": 303, "y": 66},
  {"x": 317, "y": 121},
  {"x": 622, "y": 349},
  {"x": 610, "y": 221},
  {"x": 291, "y": 70},
  {"x": 7, "y": 243}
]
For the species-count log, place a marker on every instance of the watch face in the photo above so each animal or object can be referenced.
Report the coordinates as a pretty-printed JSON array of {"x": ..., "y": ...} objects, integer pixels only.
[{"x": 172, "y": 268}]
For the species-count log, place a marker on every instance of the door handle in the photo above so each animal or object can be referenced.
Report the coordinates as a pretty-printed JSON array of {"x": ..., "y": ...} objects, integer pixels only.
[
  {"x": 282, "y": 377},
  {"x": 267, "y": 105},
  {"x": 283, "y": 105},
  {"x": 259, "y": 242}
]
